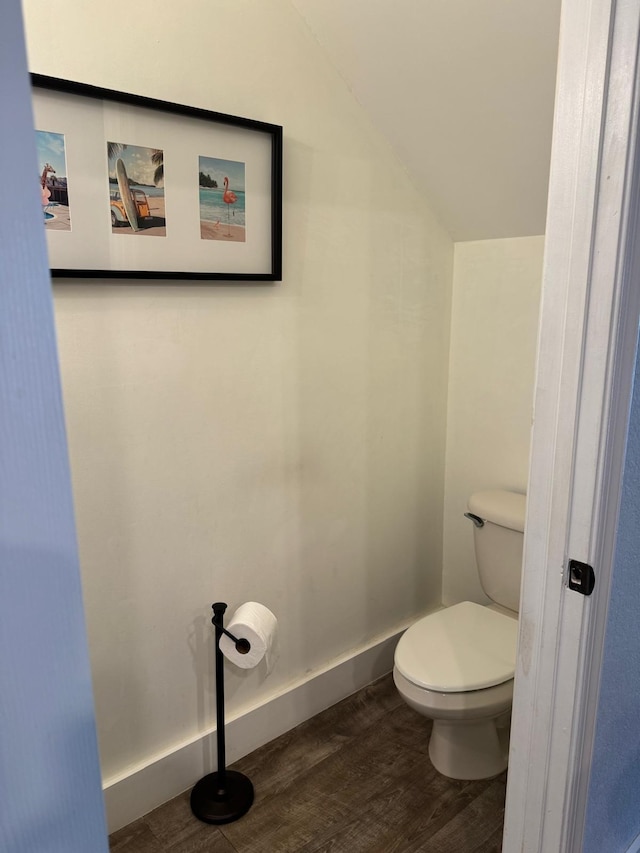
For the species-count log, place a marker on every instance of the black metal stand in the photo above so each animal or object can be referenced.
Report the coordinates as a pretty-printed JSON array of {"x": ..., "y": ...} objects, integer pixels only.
[{"x": 226, "y": 795}]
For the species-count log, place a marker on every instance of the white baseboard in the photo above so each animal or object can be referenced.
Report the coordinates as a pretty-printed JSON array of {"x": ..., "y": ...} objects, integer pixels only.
[{"x": 144, "y": 787}]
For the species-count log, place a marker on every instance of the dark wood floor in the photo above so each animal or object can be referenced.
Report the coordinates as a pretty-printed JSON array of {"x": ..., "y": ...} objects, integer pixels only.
[{"x": 355, "y": 779}]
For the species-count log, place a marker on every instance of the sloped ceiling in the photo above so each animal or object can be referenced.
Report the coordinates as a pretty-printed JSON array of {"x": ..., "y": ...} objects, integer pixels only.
[{"x": 463, "y": 91}]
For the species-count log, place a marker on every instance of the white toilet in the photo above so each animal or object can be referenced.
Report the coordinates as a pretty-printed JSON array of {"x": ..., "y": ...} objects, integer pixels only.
[{"x": 456, "y": 665}]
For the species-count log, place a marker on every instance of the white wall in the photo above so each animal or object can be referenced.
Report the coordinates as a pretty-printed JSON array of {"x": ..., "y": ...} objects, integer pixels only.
[
  {"x": 464, "y": 92},
  {"x": 494, "y": 319},
  {"x": 279, "y": 443}
]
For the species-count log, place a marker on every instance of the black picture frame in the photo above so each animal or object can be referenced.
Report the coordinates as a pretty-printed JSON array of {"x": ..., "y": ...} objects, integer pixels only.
[{"x": 84, "y": 117}]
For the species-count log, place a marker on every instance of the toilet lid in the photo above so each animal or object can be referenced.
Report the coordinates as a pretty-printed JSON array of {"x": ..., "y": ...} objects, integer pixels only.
[{"x": 460, "y": 648}]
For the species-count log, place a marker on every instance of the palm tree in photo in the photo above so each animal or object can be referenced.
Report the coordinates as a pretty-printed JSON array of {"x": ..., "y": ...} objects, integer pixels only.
[
  {"x": 157, "y": 158},
  {"x": 113, "y": 149}
]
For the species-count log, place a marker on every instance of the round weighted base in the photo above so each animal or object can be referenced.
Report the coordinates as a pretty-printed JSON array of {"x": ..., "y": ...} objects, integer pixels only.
[{"x": 214, "y": 803}]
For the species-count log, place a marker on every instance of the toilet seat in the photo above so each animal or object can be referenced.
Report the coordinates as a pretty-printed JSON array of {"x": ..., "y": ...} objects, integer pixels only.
[{"x": 460, "y": 648}]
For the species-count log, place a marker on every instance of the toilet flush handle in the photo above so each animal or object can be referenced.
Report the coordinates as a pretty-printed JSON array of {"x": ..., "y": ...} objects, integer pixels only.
[{"x": 479, "y": 522}]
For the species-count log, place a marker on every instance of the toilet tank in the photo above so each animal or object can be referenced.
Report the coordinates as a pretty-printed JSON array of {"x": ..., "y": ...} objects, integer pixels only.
[{"x": 498, "y": 543}]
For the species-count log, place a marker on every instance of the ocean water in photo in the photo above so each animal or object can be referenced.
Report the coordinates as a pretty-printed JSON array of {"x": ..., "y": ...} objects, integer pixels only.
[
  {"x": 151, "y": 192},
  {"x": 213, "y": 208}
]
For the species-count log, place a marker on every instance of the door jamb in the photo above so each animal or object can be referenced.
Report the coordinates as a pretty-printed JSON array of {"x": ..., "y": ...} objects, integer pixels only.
[{"x": 586, "y": 356}]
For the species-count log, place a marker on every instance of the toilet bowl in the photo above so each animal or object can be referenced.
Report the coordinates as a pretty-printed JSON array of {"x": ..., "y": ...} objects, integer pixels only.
[
  {"x": 456, "y": 666},
  {"x": 465, "y": 686}
]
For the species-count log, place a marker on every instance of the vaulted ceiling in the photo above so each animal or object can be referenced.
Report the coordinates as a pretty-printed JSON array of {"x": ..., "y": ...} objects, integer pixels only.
[{"x": 463, "y": 90}]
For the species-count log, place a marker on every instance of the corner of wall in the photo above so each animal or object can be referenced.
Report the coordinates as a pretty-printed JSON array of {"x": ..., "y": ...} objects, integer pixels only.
[{"x": 495, "y": 307}]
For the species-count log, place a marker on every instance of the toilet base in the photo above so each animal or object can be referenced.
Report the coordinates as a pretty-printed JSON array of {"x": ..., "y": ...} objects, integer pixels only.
[{"x": 468, "y": 749}]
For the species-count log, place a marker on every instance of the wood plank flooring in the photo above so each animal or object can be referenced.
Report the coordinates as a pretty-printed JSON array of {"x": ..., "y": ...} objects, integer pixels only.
[{"x": 355, "y": 779}]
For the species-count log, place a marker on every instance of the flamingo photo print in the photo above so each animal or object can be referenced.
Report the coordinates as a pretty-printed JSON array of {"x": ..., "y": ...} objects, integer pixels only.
[
  {"x": 54, "y": 191},
  {"x": 222, "y": 200}
]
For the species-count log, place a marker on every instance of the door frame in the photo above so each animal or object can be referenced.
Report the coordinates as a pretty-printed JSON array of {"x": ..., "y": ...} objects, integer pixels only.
[{"x": 586, "y": 357}]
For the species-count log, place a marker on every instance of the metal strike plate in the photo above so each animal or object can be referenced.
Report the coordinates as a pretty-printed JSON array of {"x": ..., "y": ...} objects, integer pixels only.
[{"x": 581, "y": 577}]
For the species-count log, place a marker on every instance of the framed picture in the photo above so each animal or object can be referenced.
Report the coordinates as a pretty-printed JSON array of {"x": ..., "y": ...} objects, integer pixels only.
[{"x": 138, "y": 188}]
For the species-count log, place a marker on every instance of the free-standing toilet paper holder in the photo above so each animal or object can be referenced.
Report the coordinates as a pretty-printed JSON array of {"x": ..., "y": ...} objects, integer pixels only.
[{"x": 226, "y": 795}]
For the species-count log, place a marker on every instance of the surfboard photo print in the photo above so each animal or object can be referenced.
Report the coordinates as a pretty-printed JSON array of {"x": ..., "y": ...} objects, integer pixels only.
[{"x": 136, "y": 190}]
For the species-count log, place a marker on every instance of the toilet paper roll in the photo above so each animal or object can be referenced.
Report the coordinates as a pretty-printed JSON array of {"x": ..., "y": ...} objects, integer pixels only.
[{"x": 257, "y": 624}]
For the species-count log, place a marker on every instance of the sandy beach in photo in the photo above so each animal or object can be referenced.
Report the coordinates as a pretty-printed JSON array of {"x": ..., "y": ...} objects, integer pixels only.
[
  {"x": 222, "y": 231},
  {"x": 155, "y": 227},
  {"x": 61, "y": 219}
]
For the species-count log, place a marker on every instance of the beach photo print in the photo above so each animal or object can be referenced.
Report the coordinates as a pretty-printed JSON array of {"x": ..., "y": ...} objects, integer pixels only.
[
  {"x": 54, "y": 192},
  {"x": 136, "y": 190},
  {"x": 222, "y": 200}
]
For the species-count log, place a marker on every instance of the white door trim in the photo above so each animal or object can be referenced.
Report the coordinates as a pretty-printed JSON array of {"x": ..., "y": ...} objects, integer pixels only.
[{"x": 588, "y": 331}]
